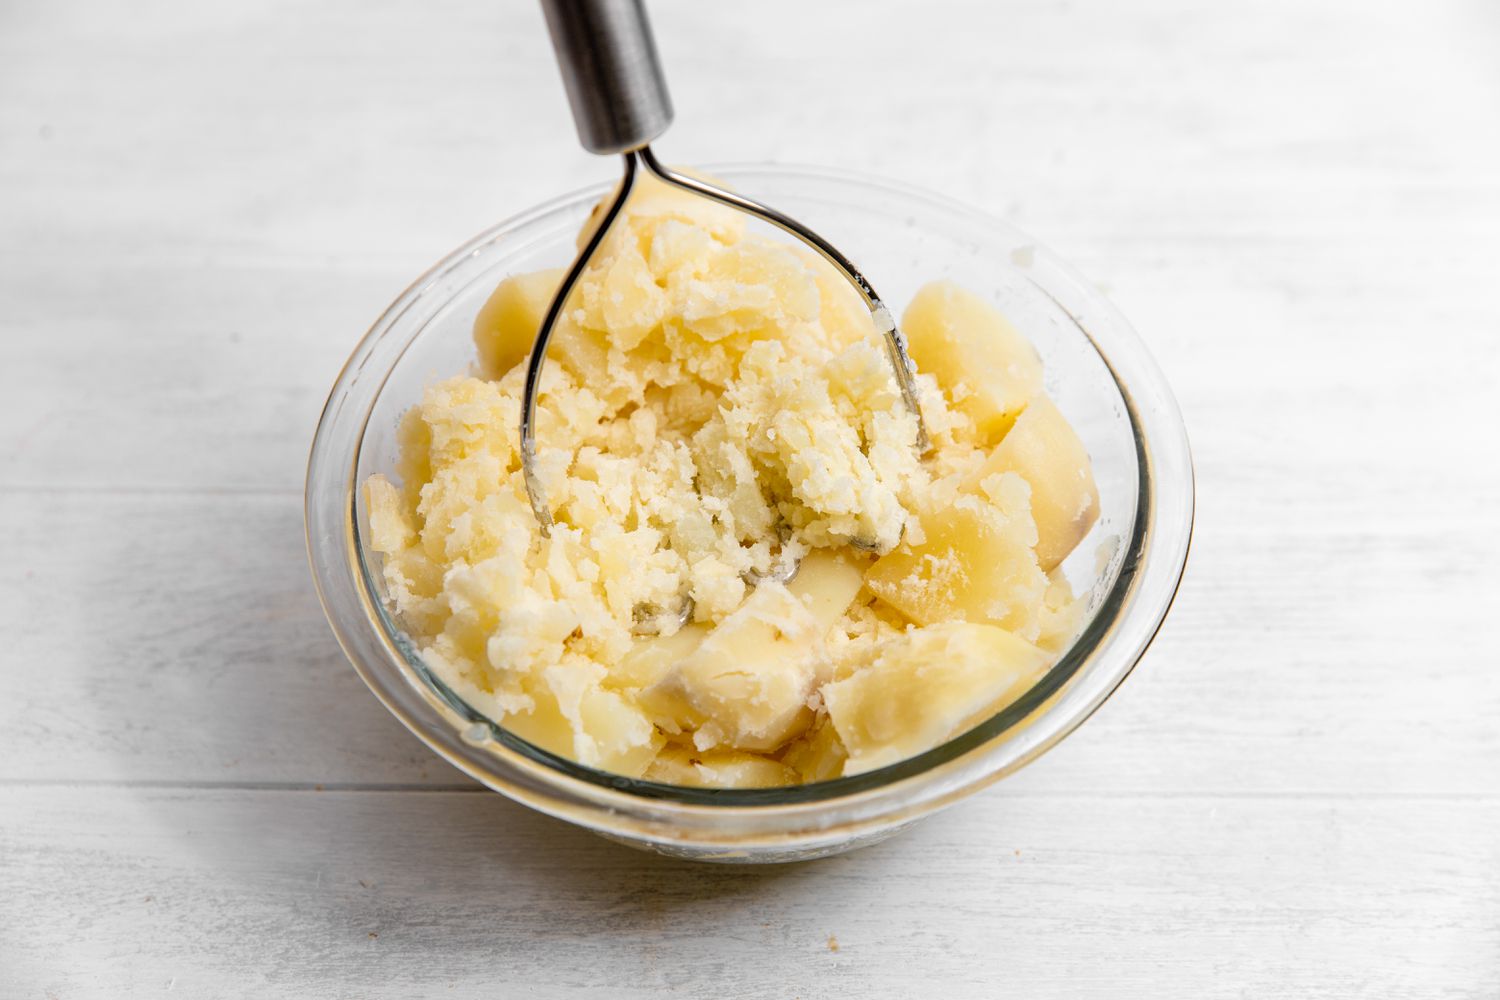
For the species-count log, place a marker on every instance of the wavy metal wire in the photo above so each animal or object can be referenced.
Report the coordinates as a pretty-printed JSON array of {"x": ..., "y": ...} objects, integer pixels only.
[{"x": 643, "y": 157}]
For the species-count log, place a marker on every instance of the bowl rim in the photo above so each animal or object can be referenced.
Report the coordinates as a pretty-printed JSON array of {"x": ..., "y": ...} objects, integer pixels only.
[{"x": 507, "y": 763}]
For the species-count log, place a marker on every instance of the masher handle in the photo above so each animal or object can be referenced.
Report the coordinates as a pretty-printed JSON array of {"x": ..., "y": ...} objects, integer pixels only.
[{"x": 611, "y": 72}]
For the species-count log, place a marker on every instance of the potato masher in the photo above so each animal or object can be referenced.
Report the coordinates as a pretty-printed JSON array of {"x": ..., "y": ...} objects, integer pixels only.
[{"x": 619, "y": 98}]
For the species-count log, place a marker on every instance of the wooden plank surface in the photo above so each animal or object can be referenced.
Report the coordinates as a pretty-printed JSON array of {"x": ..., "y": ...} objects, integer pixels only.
[
  {"x": 238, "y": 893},
  {"x": 202, "y": 206}
]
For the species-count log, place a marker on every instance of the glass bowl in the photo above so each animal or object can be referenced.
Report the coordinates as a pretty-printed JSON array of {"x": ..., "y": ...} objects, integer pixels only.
[{"x": 1096, "y": 369}]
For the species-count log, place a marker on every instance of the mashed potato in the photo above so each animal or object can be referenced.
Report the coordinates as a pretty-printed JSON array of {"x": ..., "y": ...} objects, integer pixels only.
[{"x": 753, "y": 578}]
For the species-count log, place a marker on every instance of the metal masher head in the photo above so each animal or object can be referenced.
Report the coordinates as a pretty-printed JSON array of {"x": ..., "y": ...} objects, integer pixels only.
[{"x": 619, "y": 98}]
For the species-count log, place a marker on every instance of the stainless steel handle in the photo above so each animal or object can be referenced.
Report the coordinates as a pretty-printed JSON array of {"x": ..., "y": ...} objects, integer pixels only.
[{"x": 611, "y": 72}]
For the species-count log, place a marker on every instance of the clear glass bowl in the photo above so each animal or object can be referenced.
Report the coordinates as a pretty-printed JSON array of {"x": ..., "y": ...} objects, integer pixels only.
[{"x": 1097, "y": 370}]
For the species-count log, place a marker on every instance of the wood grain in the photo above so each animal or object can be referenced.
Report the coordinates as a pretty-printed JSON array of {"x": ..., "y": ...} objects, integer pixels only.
[
  {"x": 1297, "y": 202},
  {"x": 258, "y": 894}
]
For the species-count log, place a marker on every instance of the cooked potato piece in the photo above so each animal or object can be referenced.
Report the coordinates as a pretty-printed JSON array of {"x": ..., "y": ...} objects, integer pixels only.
[
  {"x": 926, "y": 687},
  {"x": 817, "y": 755},
  {"x": 679, "y": 765},
  {"x": 1043, "y": 449},
  {"x": 746, "y": 684},
  {"x": 653, "y": 657},
  {"x": 508, "y": 322},
  {"x": 975, "y": 563},
  {"x": 623, "y": 302},
  {"x": 826, "y": 583},
  {"x": 653, "y": 202},
  {"x": 590, "y": 724},
  {"x": 755, "y": 287},
  {"x": 842, "y": 311},
  {"x": 614, "y": 734},
  {"x": 985, "y": 365}
]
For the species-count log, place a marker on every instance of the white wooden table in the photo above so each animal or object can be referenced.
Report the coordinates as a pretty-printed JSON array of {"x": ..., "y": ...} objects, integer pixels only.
[{"x": 202, "y": 206}]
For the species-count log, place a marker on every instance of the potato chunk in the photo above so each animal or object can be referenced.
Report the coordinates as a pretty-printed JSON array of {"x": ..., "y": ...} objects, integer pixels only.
[
  {"x": 677, "y": 765},
  {"x": 817, "y": 755},
  {"x": 508, "y": 321},
  {"x": 842, "y": 313},
  {"x": 653, "y": 657},
  {"x": 746, "y": 684},
  {"x": 986, "y": 366},
  {"x": 926, "y": 687},
  {"x": 756, "y": 287},
  {"x": 826, "y": 583},
  {"x": 975, "y": 563},
  {"x": 574, "y": 717},
  {"x": 1043, "y": 449},
  {"x": 653, "y": 202},
  {"x": 622, "y": 301}
]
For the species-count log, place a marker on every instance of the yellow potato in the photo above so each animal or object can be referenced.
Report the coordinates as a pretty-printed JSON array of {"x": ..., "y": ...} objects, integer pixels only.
[
  {"x": 756, "y": 288},
  {"x": 508, "y": 322},
  {"x": 614, "y": 734},
  {"x": 624, "y": 302},
  {"x": 678, "y": 765},
  {"x": 817, "y": 755},
  {"x": 843, "y": 314},
  {"x": 653, "y": 202},
  {"x": 390, "y": 531},
  {"x": 543, "y": 725},
  {"x": 985, "y": 365},
  {"x": 826, "y": 583},
  {"x": 590, "y": 724},
  {"x": 926, "y": 687},
  {"x": 975, "y": 564},
  {"x": 653, "y": 657},
  {"x": 746, "y": 684},
  {"x": 1043, "y": 449}
]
